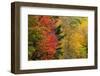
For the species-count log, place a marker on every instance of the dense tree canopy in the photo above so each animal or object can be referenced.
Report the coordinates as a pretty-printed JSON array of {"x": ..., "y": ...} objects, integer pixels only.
[{"x": 57, "y": 37}]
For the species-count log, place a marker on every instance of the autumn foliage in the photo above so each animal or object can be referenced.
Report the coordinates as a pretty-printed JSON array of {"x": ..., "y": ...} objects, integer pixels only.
[{"x": 53, "y": 37}]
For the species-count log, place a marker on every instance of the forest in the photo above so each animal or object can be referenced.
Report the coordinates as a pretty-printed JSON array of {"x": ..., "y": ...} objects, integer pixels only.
[{"x": 57, "y": 37}]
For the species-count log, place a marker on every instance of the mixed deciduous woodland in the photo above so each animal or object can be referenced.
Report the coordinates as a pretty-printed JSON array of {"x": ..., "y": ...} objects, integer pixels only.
[{"x": 57, "y": 37}]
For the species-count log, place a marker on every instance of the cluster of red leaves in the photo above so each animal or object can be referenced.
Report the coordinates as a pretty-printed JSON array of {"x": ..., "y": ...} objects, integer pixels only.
[{"x": 48, "y": 44}]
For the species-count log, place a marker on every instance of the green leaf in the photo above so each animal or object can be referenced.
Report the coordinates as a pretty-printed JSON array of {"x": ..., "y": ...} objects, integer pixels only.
[
  {"x": 58, "y": 53},
  {"x": 60, "y": 37},
  {"x": 59, "y": 48},
  {"x": 58, "y": 29},
  {"x": 55, "y": 17},
  {"x": 31, "y": 21},
  {"x": 75, "y": 22},
  {"x": 30, "y": 43},
  {"x": 31, "y": 49},
  {"x": 34, "y": 35}
]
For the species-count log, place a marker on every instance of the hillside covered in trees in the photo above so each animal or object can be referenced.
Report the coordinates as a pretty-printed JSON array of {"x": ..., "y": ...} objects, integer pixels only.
[{"x": 57, "y": 37}]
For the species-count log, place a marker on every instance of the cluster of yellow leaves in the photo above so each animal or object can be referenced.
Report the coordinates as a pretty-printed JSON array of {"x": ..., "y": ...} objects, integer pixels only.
[
  {"x": 75, "y": 42},
  {"x": 77, "y": 39}
]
